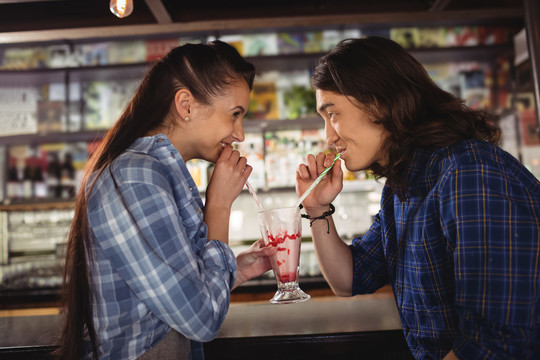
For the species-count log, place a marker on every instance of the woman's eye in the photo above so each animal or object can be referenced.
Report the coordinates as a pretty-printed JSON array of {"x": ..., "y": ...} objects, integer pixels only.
[{"x": 331, "y": 115}]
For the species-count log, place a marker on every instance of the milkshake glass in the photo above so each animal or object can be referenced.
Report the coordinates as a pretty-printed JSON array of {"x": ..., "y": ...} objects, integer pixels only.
[{"x": 282, "y": 228}]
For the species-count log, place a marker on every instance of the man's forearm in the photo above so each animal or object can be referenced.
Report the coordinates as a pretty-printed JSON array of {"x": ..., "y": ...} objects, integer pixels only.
[{"x": 334, "y": 256}]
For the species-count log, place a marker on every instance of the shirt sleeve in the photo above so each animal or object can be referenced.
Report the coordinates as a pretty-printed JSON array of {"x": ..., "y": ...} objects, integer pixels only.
[
  {"x": 492, "y": 223},
  {"x": 184, "y": 281},
  {"x": 369, "y": 270}
]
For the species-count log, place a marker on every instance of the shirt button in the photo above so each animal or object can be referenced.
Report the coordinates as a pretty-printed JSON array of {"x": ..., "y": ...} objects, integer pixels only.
[
  {"x": 199, "y": 210},
  {"x": 190, "y": 188}
]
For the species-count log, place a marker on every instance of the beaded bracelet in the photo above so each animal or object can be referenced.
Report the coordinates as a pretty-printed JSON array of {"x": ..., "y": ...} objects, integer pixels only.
[{"x": 322, "y": 217}]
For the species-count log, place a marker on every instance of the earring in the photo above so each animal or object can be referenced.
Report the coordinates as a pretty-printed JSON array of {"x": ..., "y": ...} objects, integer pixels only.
[{"x": 187, "y": 119}]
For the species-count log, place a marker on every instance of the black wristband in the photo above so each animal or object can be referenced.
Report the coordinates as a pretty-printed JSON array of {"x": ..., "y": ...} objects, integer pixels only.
[{"x": 322, "y": 217}]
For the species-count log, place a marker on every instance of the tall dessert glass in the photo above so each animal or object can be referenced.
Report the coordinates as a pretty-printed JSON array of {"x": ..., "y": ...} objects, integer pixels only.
[{"x": 282, "y": 228}]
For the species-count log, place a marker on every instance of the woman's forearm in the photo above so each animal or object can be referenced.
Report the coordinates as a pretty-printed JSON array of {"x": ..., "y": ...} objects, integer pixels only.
[{"x": 217, "y": 221}]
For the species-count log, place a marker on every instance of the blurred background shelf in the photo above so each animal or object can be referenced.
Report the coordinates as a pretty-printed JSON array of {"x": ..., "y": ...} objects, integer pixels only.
[{"x": 67, "y": 74}]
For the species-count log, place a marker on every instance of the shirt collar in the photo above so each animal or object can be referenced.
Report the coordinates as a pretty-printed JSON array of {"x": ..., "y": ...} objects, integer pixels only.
[
  {"x": 423, "y": 171},
  {"x": 149, "y": 143}
]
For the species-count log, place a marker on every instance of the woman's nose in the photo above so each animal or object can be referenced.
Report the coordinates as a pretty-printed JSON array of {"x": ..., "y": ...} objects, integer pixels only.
[{"x": 238, "y": 132}]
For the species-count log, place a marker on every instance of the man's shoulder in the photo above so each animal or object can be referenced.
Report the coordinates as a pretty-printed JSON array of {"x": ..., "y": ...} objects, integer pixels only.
[{"x": 482, "y": 159}]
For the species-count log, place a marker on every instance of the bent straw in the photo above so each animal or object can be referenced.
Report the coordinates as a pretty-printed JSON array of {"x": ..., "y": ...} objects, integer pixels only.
[
  {"x": 299, "y": 202},
  {"x": 252, "y": 192}
]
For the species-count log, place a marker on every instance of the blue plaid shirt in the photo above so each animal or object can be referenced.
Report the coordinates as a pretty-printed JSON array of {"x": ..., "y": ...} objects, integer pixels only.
[
  {"x": 462, "y": 254},
  {"x": 153, "y": 269}
]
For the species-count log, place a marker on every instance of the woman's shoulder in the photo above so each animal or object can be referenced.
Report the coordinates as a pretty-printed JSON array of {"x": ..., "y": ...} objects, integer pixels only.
[
  {"x": 136, "y": 167},
  {"x": 127, "y": 170}
]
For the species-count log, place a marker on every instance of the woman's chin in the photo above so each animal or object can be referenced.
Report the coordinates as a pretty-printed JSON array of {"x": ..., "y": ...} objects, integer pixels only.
[{"x": 213, "y": 158}]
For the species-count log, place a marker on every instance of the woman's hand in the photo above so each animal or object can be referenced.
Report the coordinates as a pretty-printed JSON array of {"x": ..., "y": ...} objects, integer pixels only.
[
  {"x": 253, "y": 262},
  {"x": 329, "y": 187},
  {"x": 228, "y": 178}
]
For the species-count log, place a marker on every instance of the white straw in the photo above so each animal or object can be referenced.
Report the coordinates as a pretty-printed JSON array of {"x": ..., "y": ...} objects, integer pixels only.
[
  {"x": 316, "y": 182},
  {"x": 254, "y": 194}
]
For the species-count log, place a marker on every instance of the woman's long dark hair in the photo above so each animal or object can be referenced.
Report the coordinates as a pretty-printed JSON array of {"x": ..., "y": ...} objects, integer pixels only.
[
  {"x": 207, "y": 70},
  {"x": 385, "y": 80}
]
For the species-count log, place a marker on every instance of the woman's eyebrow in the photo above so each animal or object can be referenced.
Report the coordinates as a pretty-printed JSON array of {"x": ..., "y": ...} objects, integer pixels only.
[{"x": 239, "y": 107}]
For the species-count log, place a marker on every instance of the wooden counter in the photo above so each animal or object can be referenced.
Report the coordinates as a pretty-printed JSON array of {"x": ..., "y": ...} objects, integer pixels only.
[
  {"x": 362, "y": 327},
  {"x": 320, "y": 328}
]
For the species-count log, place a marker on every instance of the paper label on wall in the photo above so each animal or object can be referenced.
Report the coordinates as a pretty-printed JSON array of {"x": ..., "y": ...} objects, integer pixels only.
[{"x": 18, "y": 110}]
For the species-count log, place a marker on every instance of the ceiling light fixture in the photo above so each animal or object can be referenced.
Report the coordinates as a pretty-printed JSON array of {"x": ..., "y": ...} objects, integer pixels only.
[{"x": 121, "y": 8}]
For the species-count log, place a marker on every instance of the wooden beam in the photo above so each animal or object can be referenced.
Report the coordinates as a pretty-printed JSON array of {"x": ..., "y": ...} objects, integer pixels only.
[
  {"x": 439, "y": 5},
  {"x": 159, "y": 11},
  {"x": 252, "y": 24},
  {"x": 23, "y": 1}
]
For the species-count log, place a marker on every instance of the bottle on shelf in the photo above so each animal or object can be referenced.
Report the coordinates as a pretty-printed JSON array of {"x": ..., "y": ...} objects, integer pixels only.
[
  {"x": 40, "y": 186},
  {"x": 28, "y": 178},
  {"x": 54, "y": 189},
  {"x": 67, "y": 179},
  {"x": 255, "y": 159},
  {"x": 14, "y": 183}
]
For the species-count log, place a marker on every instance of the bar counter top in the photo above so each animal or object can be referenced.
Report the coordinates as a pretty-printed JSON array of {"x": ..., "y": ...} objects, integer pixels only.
[
  {"x": 317, "y": 315},
  {"x": 325, "y": 327}
]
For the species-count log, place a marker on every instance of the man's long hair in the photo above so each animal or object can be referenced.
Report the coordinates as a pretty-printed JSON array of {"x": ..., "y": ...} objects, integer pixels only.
[{"x": 380, "y": 77}]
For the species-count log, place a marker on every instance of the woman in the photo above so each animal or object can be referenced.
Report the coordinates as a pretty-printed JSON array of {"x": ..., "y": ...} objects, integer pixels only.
[
  {"x": 148, "y": 267},
  {"x": 457, "y": 235}
]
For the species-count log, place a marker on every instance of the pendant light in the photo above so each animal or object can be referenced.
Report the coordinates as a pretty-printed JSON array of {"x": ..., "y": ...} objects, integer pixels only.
[{"x": 121, "y": 8}]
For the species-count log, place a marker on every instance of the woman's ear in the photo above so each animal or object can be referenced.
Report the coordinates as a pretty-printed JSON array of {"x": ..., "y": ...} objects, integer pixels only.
[{"x": 183, "y": 101}]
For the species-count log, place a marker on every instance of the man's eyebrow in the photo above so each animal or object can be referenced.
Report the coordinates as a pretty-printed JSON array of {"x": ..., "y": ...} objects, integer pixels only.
[{"x": 324, "y": 106}]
